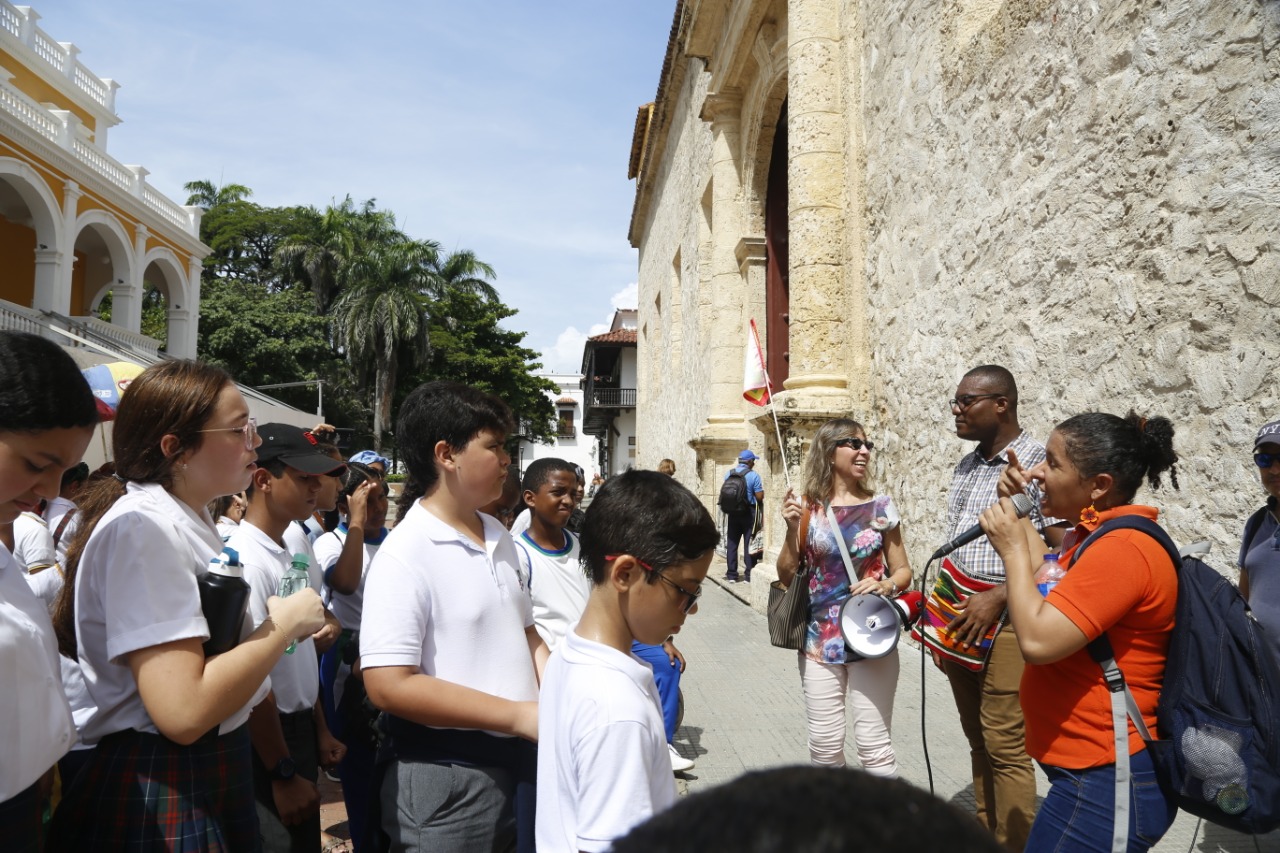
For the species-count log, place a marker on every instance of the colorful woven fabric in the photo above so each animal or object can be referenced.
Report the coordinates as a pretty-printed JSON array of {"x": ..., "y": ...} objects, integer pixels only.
[
  {"x": 953, "y": 587},
  {"x": 143, "y": 792}
]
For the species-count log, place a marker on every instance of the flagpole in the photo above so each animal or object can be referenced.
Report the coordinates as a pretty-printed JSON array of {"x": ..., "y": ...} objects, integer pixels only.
[{"x": 773, "y": 410}]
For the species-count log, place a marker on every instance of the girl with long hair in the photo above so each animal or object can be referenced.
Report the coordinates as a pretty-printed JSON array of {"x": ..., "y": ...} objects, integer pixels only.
[{"x": 172, "y": 767}]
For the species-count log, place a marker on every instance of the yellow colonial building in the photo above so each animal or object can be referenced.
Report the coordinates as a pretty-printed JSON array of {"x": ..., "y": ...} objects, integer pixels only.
[{"x": 75, "y": 223}]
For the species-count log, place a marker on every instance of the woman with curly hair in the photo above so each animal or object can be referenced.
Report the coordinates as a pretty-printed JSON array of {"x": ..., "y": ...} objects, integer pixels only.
[{"x": 1124, "y": 586}]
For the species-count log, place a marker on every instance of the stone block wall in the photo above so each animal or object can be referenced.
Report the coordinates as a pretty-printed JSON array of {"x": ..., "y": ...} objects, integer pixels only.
[{"x": 1089, "y": 194}]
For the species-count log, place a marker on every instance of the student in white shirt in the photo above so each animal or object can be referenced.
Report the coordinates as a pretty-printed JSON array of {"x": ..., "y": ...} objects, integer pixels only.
[
  {"x": 60, "y": 511},
  {"x": 228, "y": 512},
  {"x": 291, "y": 739},
  {"x": 344, "y": 556},
  {"x": 603, "y": 764},
  {"x": 549, "y": 566},
  {"x": 173, "y": 752},
  {"x": 47, "y": 415},
  {"x": 32, "y": 542},
  {"x": 447, "y": 641}
]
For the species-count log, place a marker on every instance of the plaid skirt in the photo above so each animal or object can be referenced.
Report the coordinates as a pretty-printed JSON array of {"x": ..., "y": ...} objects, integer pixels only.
[{"x": 143, "y": 792}]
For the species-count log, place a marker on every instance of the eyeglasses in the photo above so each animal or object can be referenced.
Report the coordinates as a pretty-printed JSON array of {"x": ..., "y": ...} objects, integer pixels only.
[
  {"x": 249, "y": 430},
  {"x": 1265, "y": 460},
  {"x": 964, "y": 401},
  {"x": 690, "y": 598},
  {"x": 855, "y": 443}
]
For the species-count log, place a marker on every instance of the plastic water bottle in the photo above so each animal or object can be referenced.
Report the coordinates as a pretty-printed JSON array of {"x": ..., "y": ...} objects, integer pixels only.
[
  {"x": 1049, "y": 573},
  {"x": 224, "y": 598},
  {"x": 295, "y": 579}
]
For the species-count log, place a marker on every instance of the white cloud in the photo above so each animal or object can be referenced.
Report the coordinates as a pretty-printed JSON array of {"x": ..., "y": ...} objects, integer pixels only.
[{"x": 565, "y": 356}]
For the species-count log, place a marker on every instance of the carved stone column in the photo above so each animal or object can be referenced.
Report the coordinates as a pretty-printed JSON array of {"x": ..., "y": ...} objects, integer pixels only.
[{"x": 822, "y": 226}]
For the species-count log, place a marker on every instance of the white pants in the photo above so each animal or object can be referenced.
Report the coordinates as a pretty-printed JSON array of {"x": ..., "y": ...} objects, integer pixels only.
[{"x": 870, "y": 685}]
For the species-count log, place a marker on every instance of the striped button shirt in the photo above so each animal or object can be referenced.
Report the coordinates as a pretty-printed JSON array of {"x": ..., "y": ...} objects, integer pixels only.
[{"x": 973, "y": 489}]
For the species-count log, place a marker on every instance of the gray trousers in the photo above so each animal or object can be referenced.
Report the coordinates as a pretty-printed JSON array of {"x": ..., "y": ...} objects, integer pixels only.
[
  {"x": 442, "y": 808},
  {"x": 300, "y": 737}
]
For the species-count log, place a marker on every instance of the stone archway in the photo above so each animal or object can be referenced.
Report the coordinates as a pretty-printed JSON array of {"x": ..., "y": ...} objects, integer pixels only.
[
  {"x": 163, "y": 274},
  {"x": 31, "y": 236},
  {"x": 104, "y": 264}
]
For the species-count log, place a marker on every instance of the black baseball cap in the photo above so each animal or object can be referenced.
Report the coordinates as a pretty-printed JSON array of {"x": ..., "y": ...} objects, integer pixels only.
[{"x": 296, "y": 448}]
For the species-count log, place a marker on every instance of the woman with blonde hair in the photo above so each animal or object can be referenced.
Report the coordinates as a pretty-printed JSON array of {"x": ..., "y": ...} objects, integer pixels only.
[{"x": 853, "y": 546}]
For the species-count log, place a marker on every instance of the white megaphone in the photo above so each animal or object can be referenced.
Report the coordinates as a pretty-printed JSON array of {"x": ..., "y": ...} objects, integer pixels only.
[{"x": 872, "y": 624}]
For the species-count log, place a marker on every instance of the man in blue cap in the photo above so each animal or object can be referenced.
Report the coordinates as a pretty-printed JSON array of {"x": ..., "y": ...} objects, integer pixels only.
[{"x": 740, "y": 497}]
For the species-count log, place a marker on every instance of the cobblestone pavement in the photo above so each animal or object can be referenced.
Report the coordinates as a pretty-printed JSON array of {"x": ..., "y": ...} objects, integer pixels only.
[{"x": 744, "y": 711}]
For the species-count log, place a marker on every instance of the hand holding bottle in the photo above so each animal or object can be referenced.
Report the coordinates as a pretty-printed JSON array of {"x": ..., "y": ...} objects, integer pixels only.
[{"x": 299, "y": 615}]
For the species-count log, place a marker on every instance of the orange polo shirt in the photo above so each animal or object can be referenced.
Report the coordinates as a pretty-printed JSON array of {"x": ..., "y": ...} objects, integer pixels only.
[{"x": 1125, "y": 586}]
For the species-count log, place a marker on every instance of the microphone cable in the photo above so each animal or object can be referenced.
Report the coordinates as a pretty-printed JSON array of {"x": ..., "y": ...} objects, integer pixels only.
[{"x": 925, "y": 589}]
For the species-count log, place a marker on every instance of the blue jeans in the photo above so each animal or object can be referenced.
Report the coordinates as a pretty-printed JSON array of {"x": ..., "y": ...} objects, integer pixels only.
[
  {"x": 667, "y": 677},
  {"x": 1078, "y": 814}
]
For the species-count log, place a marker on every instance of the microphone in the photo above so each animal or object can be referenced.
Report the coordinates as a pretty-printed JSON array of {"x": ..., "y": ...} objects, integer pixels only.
[{"x": 1021, "y": 505}]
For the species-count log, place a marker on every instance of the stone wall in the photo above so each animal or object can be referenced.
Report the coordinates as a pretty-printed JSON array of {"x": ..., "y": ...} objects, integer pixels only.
[
  {"x": 1086, "y": 193},
  {"x": 676, "y": 324}
]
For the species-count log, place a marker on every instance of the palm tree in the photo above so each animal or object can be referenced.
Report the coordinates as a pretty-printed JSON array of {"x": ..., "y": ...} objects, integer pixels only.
[
  {"x": 324, "y": 257},
  {"x": 381, "y": 316},
  {"x": 462, "y": 270},
  {"x": 205, "y": 194}
]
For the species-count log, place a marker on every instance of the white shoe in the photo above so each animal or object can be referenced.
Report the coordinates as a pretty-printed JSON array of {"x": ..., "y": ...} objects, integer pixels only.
[{"x": 679, "y": 763}]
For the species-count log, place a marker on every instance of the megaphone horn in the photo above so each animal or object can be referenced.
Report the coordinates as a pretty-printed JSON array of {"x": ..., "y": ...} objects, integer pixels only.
[{"x": 871, "y": 625}]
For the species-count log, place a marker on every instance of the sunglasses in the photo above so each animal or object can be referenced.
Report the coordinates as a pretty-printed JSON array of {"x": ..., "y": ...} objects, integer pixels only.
[
  {"x": 690, "y": 598},
  {"x": 964, "y": 401},
  {"x": 249, "y": 430},
  {"x": 855, "y": 443},
  {"x": 1265, "y": 460}
]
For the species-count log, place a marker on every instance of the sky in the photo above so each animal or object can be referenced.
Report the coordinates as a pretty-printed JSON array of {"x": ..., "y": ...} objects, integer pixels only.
[{"x": 500, "y": 126}]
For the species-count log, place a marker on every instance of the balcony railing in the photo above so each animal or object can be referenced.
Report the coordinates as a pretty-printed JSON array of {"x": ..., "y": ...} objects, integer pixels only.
[
  {"x": 611, "y": 398},
  {"x": 20, "y": 22},
  {"x": 15, "y": 318}
]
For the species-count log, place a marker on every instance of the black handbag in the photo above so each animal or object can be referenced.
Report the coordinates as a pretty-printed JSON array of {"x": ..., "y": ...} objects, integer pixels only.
[{"x": 788, "y": 612}]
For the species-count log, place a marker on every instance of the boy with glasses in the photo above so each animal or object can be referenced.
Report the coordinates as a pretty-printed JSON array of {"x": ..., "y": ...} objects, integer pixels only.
[{"x": 603, "y": 763}]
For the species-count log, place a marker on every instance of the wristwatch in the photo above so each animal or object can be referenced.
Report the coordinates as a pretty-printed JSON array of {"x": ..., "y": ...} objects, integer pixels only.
[{"x": 284, "y": 769}]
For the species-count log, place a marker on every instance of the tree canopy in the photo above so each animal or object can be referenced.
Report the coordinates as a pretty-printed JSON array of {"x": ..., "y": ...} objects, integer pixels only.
[{"x": 343, "y": 296}]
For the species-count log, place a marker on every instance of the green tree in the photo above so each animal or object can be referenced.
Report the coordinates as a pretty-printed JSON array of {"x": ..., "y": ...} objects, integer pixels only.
[
  {"x": 208, "y": 195},
  {"x": 381, "y": 318},
  {"x": 323, "y": 257},
  {"x": 469, "y": 344}
]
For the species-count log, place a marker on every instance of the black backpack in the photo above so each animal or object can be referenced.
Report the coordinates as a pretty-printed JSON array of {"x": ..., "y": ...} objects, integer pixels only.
[
  {"x": 733, "y": 493},
  {"x": 1219, "y": 754}
]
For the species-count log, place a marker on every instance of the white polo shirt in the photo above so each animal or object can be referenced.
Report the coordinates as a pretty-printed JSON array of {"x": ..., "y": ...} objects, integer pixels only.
[
  {"x": 46, "y": 585},
  {"x": 54, "y": 514},
  {"x": 33, "y": 543},
  {"x": 295, "y": 679},
  {"x": 436, "y": 600},
  {"x": 348, "y": 608},
  {"x": 603, "y": 763},
  {"x": 136, "y": 588},
  {"x": 557, "y": 586},
  {"x": 35, "y": 721}
]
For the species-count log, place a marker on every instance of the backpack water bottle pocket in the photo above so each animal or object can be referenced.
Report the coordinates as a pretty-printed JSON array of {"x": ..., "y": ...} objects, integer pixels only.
[{"x": 1218, "y": 755}]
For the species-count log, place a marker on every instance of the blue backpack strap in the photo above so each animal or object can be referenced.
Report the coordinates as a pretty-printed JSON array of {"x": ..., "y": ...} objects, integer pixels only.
[
  {"x": 1122, "y": 702},
  {"x": 1251, "y": 528}
]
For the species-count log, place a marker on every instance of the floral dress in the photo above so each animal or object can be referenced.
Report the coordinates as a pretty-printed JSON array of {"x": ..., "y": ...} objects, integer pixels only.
[{"x": 862, "y": 526}]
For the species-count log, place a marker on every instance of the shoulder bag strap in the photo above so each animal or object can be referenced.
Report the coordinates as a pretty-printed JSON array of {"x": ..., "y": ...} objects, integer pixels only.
[
  {"x": 62, "y": 525},
  {"x": 840, "y": 543},
  {"x": 1122, "y": 702}
]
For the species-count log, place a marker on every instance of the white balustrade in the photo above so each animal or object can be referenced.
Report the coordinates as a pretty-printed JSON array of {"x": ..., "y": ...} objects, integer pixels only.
[
  {"x": 166, "y": 208},
  {"x": 16, "y": 318},
  {"x": 104, "y": 164},
  {"x": 92, "y": 327},
  {"x": 19, "y": 21},
  {"x": 29, "y": 113}
]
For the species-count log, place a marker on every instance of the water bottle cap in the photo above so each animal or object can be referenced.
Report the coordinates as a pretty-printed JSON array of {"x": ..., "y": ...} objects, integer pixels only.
[
  {"x": 301, "y": 561},
  {"x": 1052, "y": 556},
  {"x": 227, "y": 563}
]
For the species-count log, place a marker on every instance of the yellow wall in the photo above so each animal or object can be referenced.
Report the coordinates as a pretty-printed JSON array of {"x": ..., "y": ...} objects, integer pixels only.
[
  {"x": 18, "y": 255},
  {"x": 30, "y": 84}
]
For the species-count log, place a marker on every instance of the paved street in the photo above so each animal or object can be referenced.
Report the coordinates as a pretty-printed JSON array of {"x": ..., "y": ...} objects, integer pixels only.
[{"x": 744, "y": 711}]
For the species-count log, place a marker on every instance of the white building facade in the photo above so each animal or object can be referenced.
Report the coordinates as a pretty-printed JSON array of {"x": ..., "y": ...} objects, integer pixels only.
[{"x": 571, "y": 443}]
